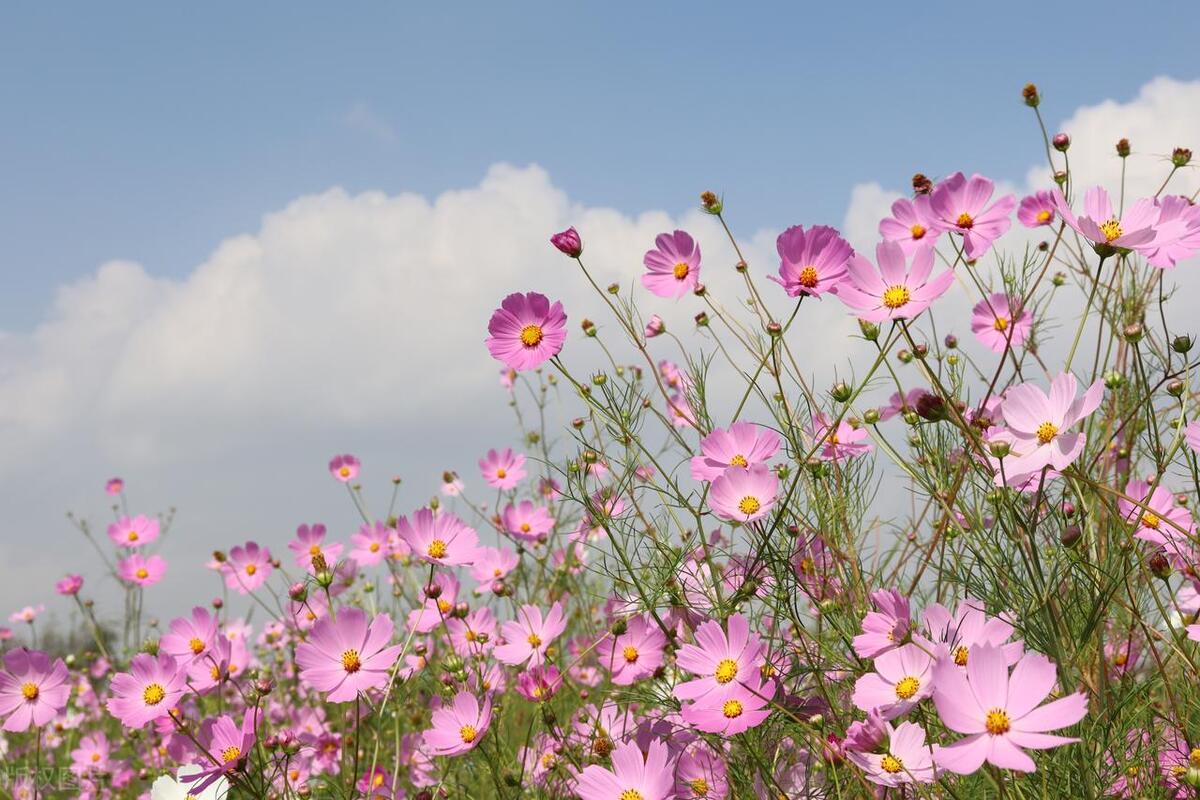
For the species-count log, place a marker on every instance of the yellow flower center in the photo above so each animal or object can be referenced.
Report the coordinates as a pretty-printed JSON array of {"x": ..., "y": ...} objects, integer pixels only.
[
  {"x": 470, "y": 635},
  {"x": 889, "y": 763},
  {"x": 251, "y": 569},
  {"x": 437, "y": 549},
  {"x": 699, "y": 787},
  {"x": 1112, "y": 230},
  {"x": 525, "y": 527},
  {"x": 681, "y": 271},
  {"x": 344, "y": 472},
  {"x": 907, "y": 687},
  {"x": 315, "y": 550},
  {"x": 630, "y": 654},
  {"x": 739, "y": 461},
  {"x": 142, "y": 573},
  {"x": 154, "y": 694},
  {"x": 896, "y": 296},
  {"x": 960, "y": 655},
  {"x": 1046, "y": 432},
  {"x": 374, "y": 547},
  {"x": 1121, "y": 659},
  {"x": 808, "y": 277},
  {"x": 727, "y": 670},
  {"x": 732, "y": 709},
  {"x": 749, "y": 505},
  {"x": 1044, "y": 215},
  {"x": 965, "y": 221},
  {"x": 1151, "y": 520},
  {"x": 197, "y": 646},
  {"x": 1001, "y": 324},
  {"x": 468, "y": 733},
  {"x": 133, "y": 536},
  {"x": 997, "y": 722},
  {"x": 30, "y": 691},
  {"x": 534, "y": 640},
  {"x": 351, "y": 662},
  {"x": 96, "y": 758},
  {"x": 231, "y": 754},
  {"x": 1194, "y": 757},
  {"x": 501, "y": 473},
  {"x": 444, "y": 606},
  {"x": 531, "y": 335},
  {"x": 630, "y": 794},
  {"x": 917, "y": 231}
]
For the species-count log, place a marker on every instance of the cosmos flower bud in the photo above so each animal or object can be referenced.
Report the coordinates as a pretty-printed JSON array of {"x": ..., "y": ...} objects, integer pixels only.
[
  {"x": 699, "y": 291},
  {"x": 218, "y": 603},
  {"x": 655, "y": 327},
  {"x": 951, "y": 341},
  {"x": 1175, "y": 388},
  {"x": 741, "y": 266},
  {"x": 871, "y": 416},
  {"x": 589, "y": 327},
  {"x": 1070, "y": 536},
  {"x": 619, "y": 626},
  {"x": 711, "y": 203},
  {"x": 1123, "y": 148},
  {"x": 1060, "y": 177},
  {"x": 702, "y": 320},
  {"x": 298, "y": 592},
  {"x": 774, "y": 329},
  {"x": 599, "y": 379},
  {"x": 568, "y": 242},
  {"x": 1133, "y": 332},
  {"x": 614, "y": 288},
  {"x": 218, "y": 556},
  {"x": 1059, "y": 279},
  {"x": 904, "y": 356},
  {"x": 841, "y": 392},
  {"x": 433, "y": 591},
  {"x": 1159, "y": 566},
  {"x": 932, "y": 408},
  {"x": 1061, "y": 142},
  {"x": 1180, "y": 156},
  {"x": 1031, "y": 96},
  {"x": 999, "y": 449},
  {"x": 870, "y": 330},
  {"x": 1181, "y": 343}
]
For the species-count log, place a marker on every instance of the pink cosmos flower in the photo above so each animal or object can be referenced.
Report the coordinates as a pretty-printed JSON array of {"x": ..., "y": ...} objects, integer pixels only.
[
  {"x": 845, "y": 441},
  {"x": 1133, "y": 230},
  {"x": 153, "y": 687},
  {"x": 228, "y": 744},
  {"x": 719, "y": 660},
  {"x": 673, "y": 266},
  {"x": 636, "y": 653},
  {"x": 27, "y": 614},
  {"x": 526, "y": 331},
  {"x": 631, "y": 776},
  {"x": 1037, "y": 209},
  {"x": 69, "y": 586},
  {"x": 1038, "y": 426},
  {"x": 114, "y": 486},
  {"x": 527, "y": 638},
  {"x": 142, "y": 571},
  {"x": 344, "y": 467},
  {"x": 247, "y": 567},
  {"x": 438, "y": 603},
  {"x": 886, "y": 627},
  {"x": 700, "y": 774},
  {"x": 372, "y": 544},
  {"x": 458, "y": 728},
  {"x": 310, "y": 543},
  {"x": 133, "y": 531},
  {"x": 902, "y": 678},
  {"x": 655, "y": 327},
  {"x": 502, "y": 469},
  {"x": 452, "y": 485},
  {"x": 345, "y": 657},
  {"x": 744, "y": 495},
  {"x": 493, "y": 563},
  {"x": 993, "y": 324},
  {"x": 539, "y": 684},
  {"x": 1162, "y": 521},
  {"x": 811, "y": 263},
  {"x": 1178, "y": 232},
  {"x": 952, "y": 636},
  {"x": 568, "y": 242},
  {"x": 999, "y": 712},
  {"x": 440, "y": 538},
  {"x": 743, "y": 444},
  {"x": 189, "y": 638},
  {"x": 896, "y": 291},
  {"x": 911, "y": 225},
  {"x": 91, "y": 756},
  {"x": 528, "y": 522},
  {"x": 899, "y": 404},
  {"x": 33, "y": 690},
  {"x": 465, "y": 633},
  {"x": 958, "y": 205},
  {"x": 907, "y": 758},
  {"x": 745, "y": 706},
  {"x": 680, "y": 411}
]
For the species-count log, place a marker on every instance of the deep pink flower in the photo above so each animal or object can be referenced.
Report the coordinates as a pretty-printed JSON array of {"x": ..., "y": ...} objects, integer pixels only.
[
  {"x": 1037, "y": 209},
  {"x": 745, "y": 706},
  {"x": 345, "y": 657},
  {"x": 142, "y": 571},
  {"x": 502, "y": 469},
  {"x": 636, "y": 653},
  {"x": 539, "y": 684},
  {"x": 228, "y": 744},
  {"x": 958, "y": 205},
  {"x": 568, "y": 242},
  {"x": 69, "y": 585},
  {"x": 1133, "y": 230},
  {"x": 673, "y": 266},
  {"x": 895, "y": 291},
  {"x": 911, "y": 225},
  {"x": 999, "y": 712},
  {"x": 133, "y": 531},
  {"x": 247, "y": 567},
  {"x": 845, "y": 441},
  {"x": 886, "y": 627},
  {"x": 631, "y": 776},
  {"x": 440, "y": 538},
  {"x": 902, "y": 678},
  {"x": 114, "y": 486},
  {"x": 811, "y": 263},
  {"x": 344, "y": 467},
  {"x": 458, "y": 727},
  {"x": 1038, "y": 426},
  {"x": 744, "y": 495},
  {"x": 743, "y": 444},
  {"x": 906, "y": 759},
  {"x": 310, "y": 543},
  {"x": 528, "y": 522},
  {"x": 993, "y": 324},
  {"x": 527, "y": 638},
  {"x": 526, "y": 331},
  {"x": 33, "y": 690},
  {"x": 153, "y": 686},
  {"x": 720, "y": 661}
]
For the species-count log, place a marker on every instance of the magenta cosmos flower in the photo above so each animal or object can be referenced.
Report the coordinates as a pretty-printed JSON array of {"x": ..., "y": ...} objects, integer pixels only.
[
  {"x": 526, "y": 331},
  {"x": 529, "y": 636},
  {"x": 844, "y": 441},
  {"x": 636, "y": 653},
  {"x": 911, "y": 225},
  {"x": 631, "y": 776},
  {"x": 345, "y": 657},
  {"x": 994, "y": 325},
  {"x": 744, "y": 495},
  {"x": 502, "y": 469},
  {"x": 1037, "y": 209},
  {"x": 958, "y": 204},
  {"x": 458, "y": 727},
  {"x": 885, "y": 627},
  {"x": 896, "y": 291},
  {"x": 440, "y": 538},
  {"x": 719, "y": 660},
  {"x": 228, "y": 745},
  {"x": 114, "y": 486},
  {"x": 133, "y": 531},
  {"x": 1133, "y": 230},
  {"x": 906, "y": 759},
  {"x": 1038, "y": 426},
  {"x": 568, "y": 242},
  {"x": 247, "y": 567},
  {"x": 745, "y": 706},
  {"x": 673, "y": 266},
  {"x": 344, "y": 467},
  {"x": 142, "y": 571},
  {"x": 900, "y": 681},
  {"x": 153, "y": 687},
  {"x": 742, "y": 444},
  {"x": 69, "y": 585},
  {"x": 1000, "y": 713},
  {"x": 32, "y": 689},
  {"x": 528, "y": 522},
  {"x": 811, "y": 263}
]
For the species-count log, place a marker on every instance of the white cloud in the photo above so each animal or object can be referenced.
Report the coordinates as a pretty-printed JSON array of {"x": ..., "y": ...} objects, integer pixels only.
[{"x": 361, "y": 117}]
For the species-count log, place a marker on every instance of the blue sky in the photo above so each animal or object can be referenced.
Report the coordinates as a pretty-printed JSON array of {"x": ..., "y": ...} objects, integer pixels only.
[{"x": 152, "y": 132}]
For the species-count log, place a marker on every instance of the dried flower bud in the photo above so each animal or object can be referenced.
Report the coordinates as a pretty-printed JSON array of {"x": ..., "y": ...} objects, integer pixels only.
[
  {"x": 1123, "y": 148},
  {"x": 711, "y": 203},
  {"x": 1031, "y": 96},
  {"x": 701, "y": 320},
  {"x": 1180, "y": 156},
  {"x": 921, "y": 184}
]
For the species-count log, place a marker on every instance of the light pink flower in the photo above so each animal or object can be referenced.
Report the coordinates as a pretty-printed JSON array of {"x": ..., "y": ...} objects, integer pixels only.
[
  {"x": 845, "y": 441},
  {"x": 886, "y": 627},
  {"x": 673, "y": 266},
  {"x": 465, "y": 633},
  {"x": 493, "y": 563},
  {"x": 153, "y": 687},
  {"x": 372, "y": 544},
  {"x": 528, "y": 522},
  {"x": 911, "y": 225},
  {"x": 345, "y": 657},
  {"x": 636, "y": 653},
  {"x": 27, "y": 614},
  {"x": 744, "y": 495},
  {"x": 1162, "y": 521},
  {"x": 1037, "y": 209},
  {"x": 33, "y": 690},
  {"x": 142, "y": 571},
  {"x": 458, "y": 727},
  {"x": 1177, "y": 232},
  {"x": 745, "y": 706},
  {"x": 952, "y": 636},
  {"x": 902, "y": 678},
  {"x": 906, "y": 759},
  {"x": 310, "y": 543},
  {"x": 743, "y": 444},
  {"x": 440, "y": 538},
  {"x": 133, "y": 531},
  {"x": 896, "y": 290},
  {"x": 228, "y": 743},
  {"x": 502, "y": 469},
  {"x": 655, "y": 327},
  {"x": 1133, "y": 230},
  {"x": 700, "y": 774},
  {"x": 958, "y": 204},
  {"x": 993, "y": 324},
  {"x": 526, "y": 331},
  {"x": 344, "y": 467},
  {"x": 631, "y": 776},
  {"x": 189, "y": 638},
  {"x": 527, "y": 638},
  {"x": 1038, "y": 426},
  {"x": 812, "y": 262},
  {"x": 998, "y": 712},
  {"x": 720, "y": 661},
  {"x": 247, "y": 567}
]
